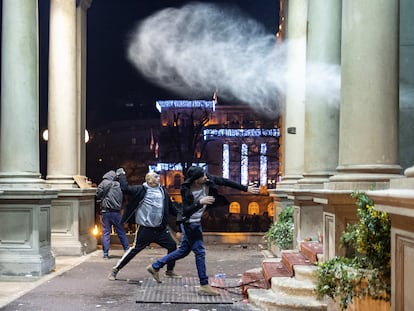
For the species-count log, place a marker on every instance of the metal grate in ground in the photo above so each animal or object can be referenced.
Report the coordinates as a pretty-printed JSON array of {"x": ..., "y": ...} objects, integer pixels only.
[{"x": 180, "y": 291}]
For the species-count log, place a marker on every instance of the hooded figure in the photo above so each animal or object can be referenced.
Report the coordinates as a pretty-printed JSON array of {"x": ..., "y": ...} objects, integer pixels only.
[{"x": 110, "y": 193}]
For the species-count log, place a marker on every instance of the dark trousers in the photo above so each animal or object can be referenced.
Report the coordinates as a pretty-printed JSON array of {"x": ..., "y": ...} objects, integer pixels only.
[
  {"x": 144, "y": 236},
  {"x": 110, "y": 219}
]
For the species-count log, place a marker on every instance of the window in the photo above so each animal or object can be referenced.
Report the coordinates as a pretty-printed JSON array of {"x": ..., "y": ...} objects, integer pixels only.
[
  {"x": 226, "y": 161},
  {"x": 234, "y": 208},
  {"x": 244, "y": 165},
  {"x": 253, "y": 208}
]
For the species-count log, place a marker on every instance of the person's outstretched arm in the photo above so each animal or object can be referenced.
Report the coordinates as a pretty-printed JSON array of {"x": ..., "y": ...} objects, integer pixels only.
[
  {"x": 123, "y": 181},
  {"x": 221, "y": 181}
]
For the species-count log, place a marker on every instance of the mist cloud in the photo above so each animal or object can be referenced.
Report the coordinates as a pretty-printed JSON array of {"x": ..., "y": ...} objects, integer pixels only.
[{"x": 198, "y": 48}]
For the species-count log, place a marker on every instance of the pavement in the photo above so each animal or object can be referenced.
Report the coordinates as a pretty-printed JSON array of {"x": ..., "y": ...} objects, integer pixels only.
[{"x": 80, "y": 283}]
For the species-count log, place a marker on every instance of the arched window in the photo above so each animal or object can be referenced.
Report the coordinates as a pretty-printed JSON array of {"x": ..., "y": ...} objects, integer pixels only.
[
  {"x": 253, "y": 208},
  {"x": 234, "y": 208},
  {"x": 271, "y": 209}
]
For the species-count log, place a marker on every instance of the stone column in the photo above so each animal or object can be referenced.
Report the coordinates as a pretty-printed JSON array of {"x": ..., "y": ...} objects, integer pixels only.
[
  {"x": 294, "y": 112},
  {"x": 19, "y": 126},
  {"x": 81, "y": 24},
  {"x": 321, "y": 115},
  {"x": 25, "y": 243},
  {"x": 368, "y": 142},
  {"x": 73, "y": 212},
  {"x": 322, "y": 93},
  {"x": 63, "y": 143}
]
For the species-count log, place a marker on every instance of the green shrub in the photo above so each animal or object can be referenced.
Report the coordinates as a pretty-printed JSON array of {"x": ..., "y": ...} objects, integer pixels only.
[
  {"x": 368, "y": 273},
  {"x": 280, "y": 232}
]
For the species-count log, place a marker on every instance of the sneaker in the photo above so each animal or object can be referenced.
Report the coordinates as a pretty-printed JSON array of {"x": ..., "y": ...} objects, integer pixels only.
[
  {"x": 112, "y": 275},
  {"x": 105, "y": 257},
  {"x": 172, "y": 274},
  {"x": 207, "y": 290},
  {"x": 154, "y": 273}
]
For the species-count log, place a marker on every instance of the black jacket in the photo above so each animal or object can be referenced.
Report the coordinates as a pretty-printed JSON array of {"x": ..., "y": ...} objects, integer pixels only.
[
  {"x": 136, "y": 194},
  {"x": 189, "y": 207}
]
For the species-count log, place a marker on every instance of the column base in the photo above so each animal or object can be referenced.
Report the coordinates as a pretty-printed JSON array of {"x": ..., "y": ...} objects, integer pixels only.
[
  {"x": 313, "y": 180},
  {"x": 25, "y": 245},
  {"x": 64, "y": 246},
  {"x": 361, "y": 181},
  {"x": 288, "y": 181},
  {"x": 23, "y": 266},
  {"x": 62, "y": 182},
  {"x": 20, "y": 179},
  {"x": 72, "y": 221}
]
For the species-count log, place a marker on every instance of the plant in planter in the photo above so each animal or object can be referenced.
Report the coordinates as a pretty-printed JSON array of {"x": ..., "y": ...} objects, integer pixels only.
[
  {"x": 368, "y": 273},
  {"x": 280, "y": 232}
]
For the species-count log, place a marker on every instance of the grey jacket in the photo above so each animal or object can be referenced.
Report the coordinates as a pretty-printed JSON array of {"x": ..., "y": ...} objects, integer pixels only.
[{"x": 109, "y": 192}]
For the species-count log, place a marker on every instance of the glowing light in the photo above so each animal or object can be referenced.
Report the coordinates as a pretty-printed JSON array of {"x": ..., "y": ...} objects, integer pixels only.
[
  {"x": 95, "y": 230},
  {"x": 241, "y": 133},
  {"x": 171, "y": 167},
  {"x": 45, "y": 135},
  {"x": 244, "y": 164},
  {"x": 263, "y": 164},
  {"x": 86, "y": 136},
  {"x": 164, "y": 104},
  {"x": 226, "y": 161}
]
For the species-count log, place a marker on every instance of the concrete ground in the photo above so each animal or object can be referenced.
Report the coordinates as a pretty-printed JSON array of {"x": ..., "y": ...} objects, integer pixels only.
[{"x": 80, "y": 283}]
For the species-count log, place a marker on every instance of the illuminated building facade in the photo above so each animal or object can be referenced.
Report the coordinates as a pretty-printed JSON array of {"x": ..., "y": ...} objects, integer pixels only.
[{"x": 233, "y": 142}]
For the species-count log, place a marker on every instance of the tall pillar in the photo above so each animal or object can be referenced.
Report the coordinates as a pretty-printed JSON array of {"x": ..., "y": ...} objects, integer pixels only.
[
  {"x": 19, "y": 126},
  {"x": 81, "y": 24},
  {"x": 73, "y": 212},
  {"x": 25, "y": 244},
  {"x": 322, "y": 93},
  {"x": 294, "y": 111},
  {"x": 321, "y": 114},
  {"x": 368, "y": 141},
  {"x": 63, "y": 143}
]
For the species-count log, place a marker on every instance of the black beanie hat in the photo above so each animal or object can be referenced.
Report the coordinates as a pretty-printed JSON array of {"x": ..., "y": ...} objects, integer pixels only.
[{"x": 193, "y": 173}]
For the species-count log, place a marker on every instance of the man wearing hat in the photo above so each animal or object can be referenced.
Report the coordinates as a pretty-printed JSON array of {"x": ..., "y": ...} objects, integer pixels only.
[{"x": 199, "y": 192}]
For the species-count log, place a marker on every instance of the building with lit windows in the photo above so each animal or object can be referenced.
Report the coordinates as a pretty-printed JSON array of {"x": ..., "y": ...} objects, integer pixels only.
[{"x": 230, "y": 141}]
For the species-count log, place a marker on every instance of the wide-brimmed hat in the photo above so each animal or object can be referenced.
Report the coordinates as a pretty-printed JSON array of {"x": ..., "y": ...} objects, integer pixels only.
[{"x": 193, "y": 173}]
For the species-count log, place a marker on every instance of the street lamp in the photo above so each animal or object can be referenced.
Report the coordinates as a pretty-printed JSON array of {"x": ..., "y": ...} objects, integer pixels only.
[{"x": 45, "y": 135}]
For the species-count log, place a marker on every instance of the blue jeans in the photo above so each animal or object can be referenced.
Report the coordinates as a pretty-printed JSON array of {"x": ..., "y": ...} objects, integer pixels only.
[
  {"x": 192, "y": 240},
  {"x": 110, "y": 219}
]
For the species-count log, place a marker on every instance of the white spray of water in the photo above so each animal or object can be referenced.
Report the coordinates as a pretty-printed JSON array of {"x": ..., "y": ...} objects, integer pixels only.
[{"x": 199, "y": 48}]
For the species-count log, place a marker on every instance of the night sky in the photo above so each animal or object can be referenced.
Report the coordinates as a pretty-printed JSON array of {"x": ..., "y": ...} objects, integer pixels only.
[{"x": 112, "y": 81}]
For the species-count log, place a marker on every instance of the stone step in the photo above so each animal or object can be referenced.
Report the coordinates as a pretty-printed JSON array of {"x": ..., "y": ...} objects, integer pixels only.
[
  {"x": 306, "y": 273},
  {"x": 270, "y": 300},
  {"x": 311, "y": 250},
  {"x": 292, "y": 258},
  {"x": 253, "y": 279},
  {"x": 272, "y": 269},
  {"x": 292, "y": 286}
]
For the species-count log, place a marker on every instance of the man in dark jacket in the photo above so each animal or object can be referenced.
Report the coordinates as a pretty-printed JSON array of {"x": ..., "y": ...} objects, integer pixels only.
[
  {"x": 198, "y": 192},
  {"x": 149, "y": 206},
  {"x": 110, "y": 194}
]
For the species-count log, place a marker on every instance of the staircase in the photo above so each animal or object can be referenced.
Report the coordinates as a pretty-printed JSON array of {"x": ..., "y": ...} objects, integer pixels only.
[{"x": 286, "y": 283}]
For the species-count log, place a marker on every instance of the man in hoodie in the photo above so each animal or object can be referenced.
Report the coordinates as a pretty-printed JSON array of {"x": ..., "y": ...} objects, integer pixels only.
[
  {"x": 199, "y": 192},
  {"x": 150, "y": 206},
  {"x": 110, "y": 194}
]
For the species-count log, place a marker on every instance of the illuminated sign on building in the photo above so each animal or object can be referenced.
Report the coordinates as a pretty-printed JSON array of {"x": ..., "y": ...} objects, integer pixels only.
[
  {"x": 164, "y": 104},
  {"x": 241, "y": 133}
]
